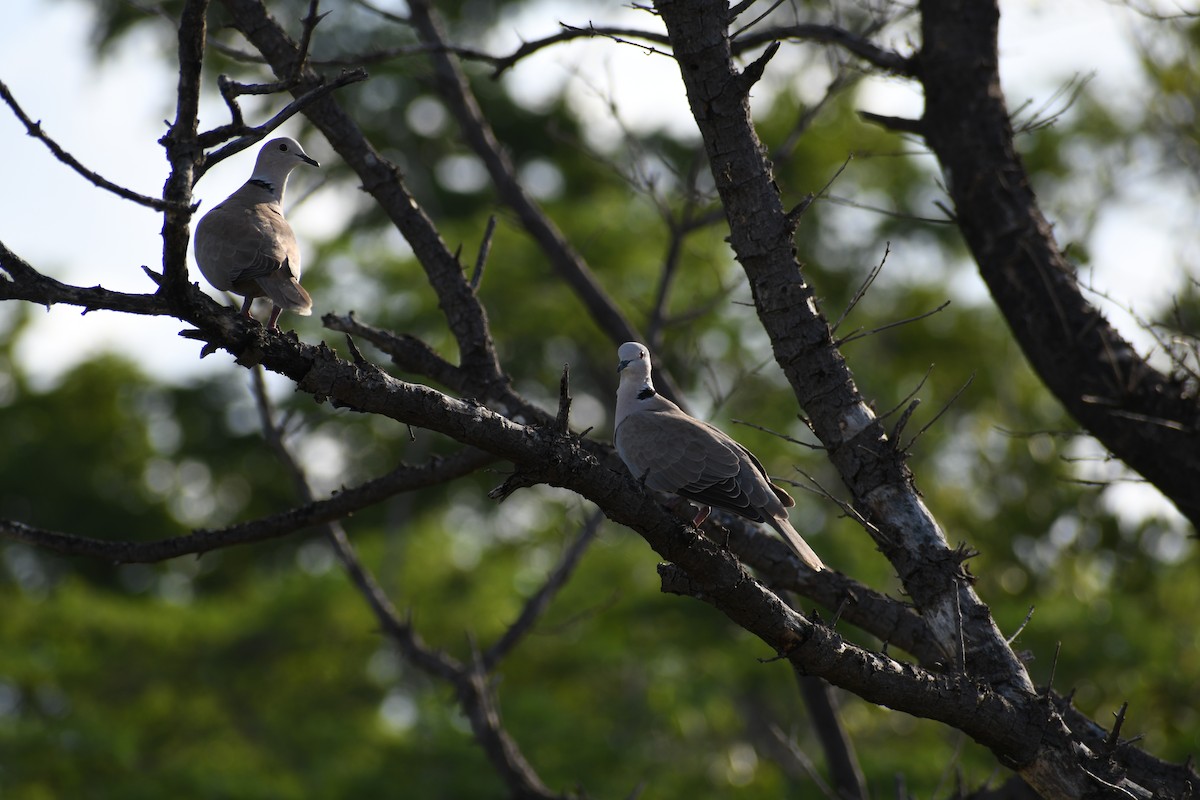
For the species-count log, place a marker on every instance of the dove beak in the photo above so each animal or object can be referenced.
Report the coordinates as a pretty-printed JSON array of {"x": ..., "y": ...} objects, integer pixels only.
[
  {"x": 622, "y": 365},
  {"x": 308, "y": 160}
]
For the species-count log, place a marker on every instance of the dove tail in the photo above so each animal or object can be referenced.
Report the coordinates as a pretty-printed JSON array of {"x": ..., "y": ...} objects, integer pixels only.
[
  {"x": 797, "y": 543},
  {"x": 287, "y": 293}
]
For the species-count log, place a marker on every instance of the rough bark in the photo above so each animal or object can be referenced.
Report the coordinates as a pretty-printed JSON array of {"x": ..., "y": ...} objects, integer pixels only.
[{"x": 1147, "y": 419}]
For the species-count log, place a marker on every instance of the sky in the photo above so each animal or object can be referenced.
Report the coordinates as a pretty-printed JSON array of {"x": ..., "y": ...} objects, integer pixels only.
[{"x": 110, "y": 115}]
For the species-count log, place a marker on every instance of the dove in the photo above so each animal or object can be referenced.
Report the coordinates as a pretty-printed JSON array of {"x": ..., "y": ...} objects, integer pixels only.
[
  {"x": 673, "y": 452},
  {"x": 244, "y": 245}
]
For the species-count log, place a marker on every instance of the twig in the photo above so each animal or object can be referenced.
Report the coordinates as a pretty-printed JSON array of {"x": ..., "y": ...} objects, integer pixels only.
[
  {"x": 910, "y": 395},
  {"x": 1021, "y": 627},
  {"x": 793, "y": 216},
  {"x": 733, "y": 15},
  {"x": 849, "y": 510},
  {"x": 485, "y": 247},
  {"x": 311, "y": 20},
  {"x": 1053, "y": 669},
  {"x": 902, "y": 422},
  {"x": 938, "y": 415},
  {"x": 887, "y": 60},
  {"x": 783, "y": 436},
  {"x": 249, "y": 136},
  {"x": 861, "y": 292},
  {"x": 859, "y": 335},
  {"x": 1114, "y": 736}
]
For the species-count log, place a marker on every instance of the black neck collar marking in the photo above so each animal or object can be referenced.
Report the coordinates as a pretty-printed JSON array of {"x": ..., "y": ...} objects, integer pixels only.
[
  {"x": 262, "y": 184},
  {"x": 646, "y": 393}
]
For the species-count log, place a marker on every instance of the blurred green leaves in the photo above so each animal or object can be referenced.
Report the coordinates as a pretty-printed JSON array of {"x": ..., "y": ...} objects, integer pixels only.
[{"x": 258, "y": 672}]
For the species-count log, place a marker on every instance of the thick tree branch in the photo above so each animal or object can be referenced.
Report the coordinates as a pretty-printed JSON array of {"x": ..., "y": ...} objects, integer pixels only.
[
  {"x": 761, "y": 236},
  {"x": 881, "y": 485},
  {"x": 183, "y": 154},
  {"x": 1147, "y": 419}
]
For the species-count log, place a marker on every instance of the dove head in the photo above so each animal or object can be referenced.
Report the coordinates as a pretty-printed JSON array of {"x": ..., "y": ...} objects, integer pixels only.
[
  {"x": 634, "y": 357},
  {"x": 276, "y": 160},
  {"x": 635, "y": 387}
]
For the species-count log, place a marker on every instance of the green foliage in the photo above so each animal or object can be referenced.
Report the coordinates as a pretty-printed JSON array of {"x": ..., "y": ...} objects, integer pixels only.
[{"x": 258, "y": 672}]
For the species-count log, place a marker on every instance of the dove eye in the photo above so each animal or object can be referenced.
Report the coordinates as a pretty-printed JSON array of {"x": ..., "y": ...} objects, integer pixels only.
[{"x": 283, "y": 148}]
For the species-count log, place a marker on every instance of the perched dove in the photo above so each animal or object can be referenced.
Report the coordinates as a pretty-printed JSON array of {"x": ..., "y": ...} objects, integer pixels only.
[
  {"x": 244, "y": 245},
  {"x": 674, "y": 452}
]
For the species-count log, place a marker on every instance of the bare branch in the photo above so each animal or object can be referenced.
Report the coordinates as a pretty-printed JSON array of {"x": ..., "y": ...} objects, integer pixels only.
[
  {"x": 887, "y": 60},
  {"x": 28, "y": 284},
  {"x": 860, "y": 334},
  {"x": 454, "y": 89},
  {"x": 469, "y": 680},
  {"x": 248, "y": 136},
  {"x": 404, "y": 478},
  {"x": 861, "y": 292},
  {"x": 34, "y": 129},
  {"x": 907, "y": 447},
  {"x": 537, "y": 604}
]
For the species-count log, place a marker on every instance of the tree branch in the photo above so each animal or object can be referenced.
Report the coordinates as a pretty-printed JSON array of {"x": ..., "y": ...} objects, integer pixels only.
[
  {"x": 475, "y": 695},
  {"x": 540, "y": 600},
  {"x": 453, "y": 86},
  {"x": 34, "y": 129},
  {"x": 404, "y": 478},
  {"x": 761, "y": 236},
  {"x": 889, "y": 61},
  {"x": 248, "y": 136},
  {"x": 1077, "y": 354},
  {"x": 1011, "y": 724},
  {"x": 183, "y": 154}
]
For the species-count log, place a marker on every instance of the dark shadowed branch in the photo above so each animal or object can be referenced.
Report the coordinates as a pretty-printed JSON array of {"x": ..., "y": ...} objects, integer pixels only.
[{"x": 1076, "y": 352}]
